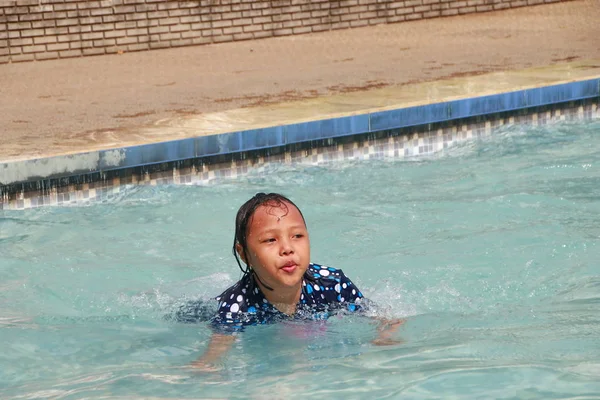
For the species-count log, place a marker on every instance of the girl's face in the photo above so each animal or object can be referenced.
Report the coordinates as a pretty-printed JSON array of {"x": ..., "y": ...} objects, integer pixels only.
[{"x": 278, "y": 246}]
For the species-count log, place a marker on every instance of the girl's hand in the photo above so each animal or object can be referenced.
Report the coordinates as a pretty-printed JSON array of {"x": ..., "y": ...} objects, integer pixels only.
[
  {"x": 385, "y": 331},
  {"x": 202, "y": 366}
]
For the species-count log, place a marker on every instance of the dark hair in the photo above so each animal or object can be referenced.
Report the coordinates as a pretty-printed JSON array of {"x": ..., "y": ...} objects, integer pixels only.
[{"x": 244, "y": 216}]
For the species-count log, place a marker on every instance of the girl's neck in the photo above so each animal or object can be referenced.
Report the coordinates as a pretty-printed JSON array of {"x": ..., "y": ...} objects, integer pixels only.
[{"x": 284, "y": 300}]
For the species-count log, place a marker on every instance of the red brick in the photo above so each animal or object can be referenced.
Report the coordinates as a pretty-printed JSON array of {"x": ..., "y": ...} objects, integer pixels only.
[
  {"x": 179, "y": 13},
  {"x": 137, "y": 32},
  {"x": 283, "y": 32},
  {"x": 190, "y": 19},
  {"x": 58, "y": 46},
  {"x": 190, "y": 34},
  {"x": 243, "y": 36},
  {"x": 113, "y": 18},
  {"x": 126, "y": 25},
  {"x": 34, "y": 48},
  {"x": 302, "y": 29},
  {"x": 158, "y": 29},
  {"x": 64, "y": 6},
  {"x": 114, "y": 34},
  {"x": 32, "y": 32},
  {"x": 43, "y": 24},
  {"x": 21, "y": 42},
  {"x": 45, "y": 39},
  {"x": 414, "y": 16},
  {"x": 92, "y": 36},
  {"x": 181, "y": 42},
  {"x": 350, "y": 17},
  {"x": 311, "y": 21},
  {"x": 69, "y": 38},
  {"x": 397, "y": 18},
  {"x": 301, "y": 15},
  {"x": 170, "y": 36},
  {"x": 202, "y": 40},
  {"x": 70, "y": 53},
  {"x": 360, "y": 22},
  {"x": 345, "y": 25},
  {"x": 422, "y": 9},
  {"x": 252, "y": 28},
  {"x": 138, "y": 47},
  {"x": 222, "y": 24},
  {"x": 127, "y": 40},
  {"x": 223, "y": 38},
  {"x": 19, "y": 25},
  {"x": 90, "y": 20},
  {"x": 93, "y": 51},
  {"x": 449, "y": 12},
  {"x": 31, "y": 17},
  {"x": 50, "y": 55},
  {"x": 202, "y": 25},
  {"x": 263, "y": 34},
  {"x": 22, "y": 57}
]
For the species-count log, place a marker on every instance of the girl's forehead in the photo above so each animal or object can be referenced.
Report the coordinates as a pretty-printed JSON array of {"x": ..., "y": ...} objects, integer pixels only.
[{"x": 275, "y": 213}]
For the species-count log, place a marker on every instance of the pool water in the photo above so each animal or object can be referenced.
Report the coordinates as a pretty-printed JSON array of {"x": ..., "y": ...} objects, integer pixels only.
[{"x": 490, "y": 250}]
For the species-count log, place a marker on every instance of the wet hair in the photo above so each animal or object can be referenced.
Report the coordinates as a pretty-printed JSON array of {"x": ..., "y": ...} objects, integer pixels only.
[{"x": 244, "y": 217}]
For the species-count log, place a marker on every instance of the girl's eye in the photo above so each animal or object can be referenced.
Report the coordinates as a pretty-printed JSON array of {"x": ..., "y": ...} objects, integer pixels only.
[
  {"x": 299, "y": 235},
  {"x": 269, "y": 240}
]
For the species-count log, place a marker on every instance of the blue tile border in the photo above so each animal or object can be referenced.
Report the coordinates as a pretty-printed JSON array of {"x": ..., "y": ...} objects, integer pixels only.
[
  {"x": 257, "y": 139},
  {"x": 420, "y": 140}
]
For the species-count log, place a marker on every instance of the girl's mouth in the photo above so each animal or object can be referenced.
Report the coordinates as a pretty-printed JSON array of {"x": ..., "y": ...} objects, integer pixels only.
[{"x": 289, "y": 267}]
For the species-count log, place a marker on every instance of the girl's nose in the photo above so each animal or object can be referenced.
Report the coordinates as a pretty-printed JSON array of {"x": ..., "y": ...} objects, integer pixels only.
[{"x": 286, "y": 247}]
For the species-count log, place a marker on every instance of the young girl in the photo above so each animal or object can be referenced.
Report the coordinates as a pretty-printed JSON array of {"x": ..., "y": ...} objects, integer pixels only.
[{"x": 279, "y": 281}]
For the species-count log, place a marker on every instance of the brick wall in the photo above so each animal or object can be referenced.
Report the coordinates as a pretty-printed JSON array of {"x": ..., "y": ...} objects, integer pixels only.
[{"x": 49, "y": 29}]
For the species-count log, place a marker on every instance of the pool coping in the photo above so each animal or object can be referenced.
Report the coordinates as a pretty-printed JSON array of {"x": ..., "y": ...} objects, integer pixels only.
[{"x": 362, "y": 121}]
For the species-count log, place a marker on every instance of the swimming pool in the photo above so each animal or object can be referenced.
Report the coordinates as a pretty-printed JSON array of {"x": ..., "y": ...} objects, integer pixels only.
[{"x": 490, "y": 249}]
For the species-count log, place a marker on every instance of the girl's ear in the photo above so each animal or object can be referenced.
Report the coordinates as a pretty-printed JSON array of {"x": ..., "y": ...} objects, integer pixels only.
[{"x": 240, "y": 251}]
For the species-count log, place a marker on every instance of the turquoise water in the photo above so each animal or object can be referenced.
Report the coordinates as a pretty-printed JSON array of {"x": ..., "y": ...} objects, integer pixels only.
[{"x": 490, "y": 251}]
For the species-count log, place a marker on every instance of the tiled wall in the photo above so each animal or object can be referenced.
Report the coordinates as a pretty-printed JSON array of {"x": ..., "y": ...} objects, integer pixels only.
[
  {"x": 406, "y": 142},
  {"x": 50, "y": 29}
]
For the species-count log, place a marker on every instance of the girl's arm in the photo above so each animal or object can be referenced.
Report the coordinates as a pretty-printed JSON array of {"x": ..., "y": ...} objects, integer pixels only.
[{"x": 218, "y": 345}]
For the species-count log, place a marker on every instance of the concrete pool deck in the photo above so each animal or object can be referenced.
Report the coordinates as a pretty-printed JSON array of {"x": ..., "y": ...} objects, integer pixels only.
[{"x": 86, "y": 105}]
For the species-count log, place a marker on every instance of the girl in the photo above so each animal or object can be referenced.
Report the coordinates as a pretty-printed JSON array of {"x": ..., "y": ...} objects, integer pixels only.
[{"x": 279, "y": 281}]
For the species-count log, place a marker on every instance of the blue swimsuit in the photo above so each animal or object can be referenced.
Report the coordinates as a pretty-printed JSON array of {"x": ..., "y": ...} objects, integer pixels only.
[{"x": 324, "y": 290}]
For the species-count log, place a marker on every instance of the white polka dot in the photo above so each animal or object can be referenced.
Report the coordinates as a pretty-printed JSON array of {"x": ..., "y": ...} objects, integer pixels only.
[
  {"x": 324, "y": 272},
  {"x": 342, "y": 299},
  {"x": 322, "y": 296},
  {"x": 240, "y": 298},
  {"x": 338, "y": 288},
  {"x": 353, "y": 291},
  {"x": 231, "y": 297},
  {"x": 244, "y": 291},
  {"x": 317, "y": 288},
  {"x": 264, "y": 300},
  {"x": 344, "y": 285},
  {"x": 235, "y": 307},
  {"x": 223, "y": 304}
]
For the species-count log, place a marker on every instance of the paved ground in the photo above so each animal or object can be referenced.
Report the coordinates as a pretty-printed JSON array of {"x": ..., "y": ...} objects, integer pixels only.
[{"x": 66, "y": 106}]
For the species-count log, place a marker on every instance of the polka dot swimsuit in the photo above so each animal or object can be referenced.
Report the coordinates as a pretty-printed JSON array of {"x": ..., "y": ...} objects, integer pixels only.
[{"x": 324, "y": 290}]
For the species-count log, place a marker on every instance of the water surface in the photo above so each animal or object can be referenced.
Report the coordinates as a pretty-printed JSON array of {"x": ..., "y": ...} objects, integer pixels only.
[{"x": 489, "y": 250}]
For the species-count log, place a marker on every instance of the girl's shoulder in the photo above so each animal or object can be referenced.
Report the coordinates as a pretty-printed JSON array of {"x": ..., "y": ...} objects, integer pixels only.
[{"x": 318, "y": 271}]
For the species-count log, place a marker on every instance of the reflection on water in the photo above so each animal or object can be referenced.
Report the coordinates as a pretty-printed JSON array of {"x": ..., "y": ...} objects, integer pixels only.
[{"x": 489, "y": 250}]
